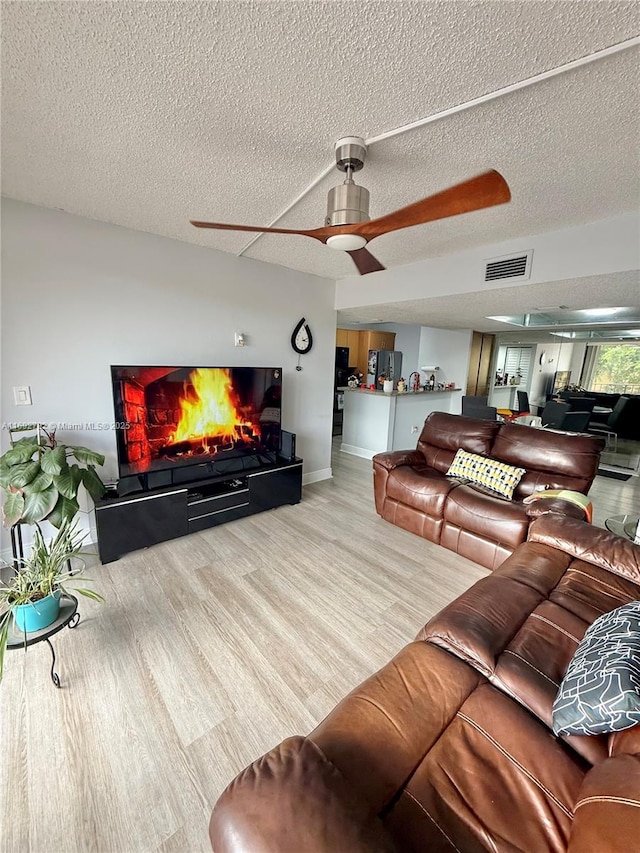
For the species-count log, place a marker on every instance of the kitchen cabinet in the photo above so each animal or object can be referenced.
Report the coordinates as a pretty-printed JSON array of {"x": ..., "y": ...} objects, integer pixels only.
[
  {"x": 361, "y": 341},
  {"x": 349, "y": 338},
  {"x": 341, "y": 337}
]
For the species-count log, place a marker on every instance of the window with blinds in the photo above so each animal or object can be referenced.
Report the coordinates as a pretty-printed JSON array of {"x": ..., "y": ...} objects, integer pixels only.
[{"x": 518, "y": 360}]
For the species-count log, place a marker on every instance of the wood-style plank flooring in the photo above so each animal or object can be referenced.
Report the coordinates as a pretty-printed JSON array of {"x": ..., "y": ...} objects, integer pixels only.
[{"x": 209, "y": 651}]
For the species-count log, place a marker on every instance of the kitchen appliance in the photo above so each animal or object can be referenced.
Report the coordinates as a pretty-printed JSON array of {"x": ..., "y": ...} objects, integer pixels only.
[
  {"x": 342, "y": 357},
  {"x": 387, "y": 363}
]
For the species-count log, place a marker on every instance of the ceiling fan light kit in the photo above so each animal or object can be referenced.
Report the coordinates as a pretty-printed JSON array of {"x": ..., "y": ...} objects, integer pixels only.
[
  {"x": 346, "y": 242},
  {"x": 347, "y": 226}
]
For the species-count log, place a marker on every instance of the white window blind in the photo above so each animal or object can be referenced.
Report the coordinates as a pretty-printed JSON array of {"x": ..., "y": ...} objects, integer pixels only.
[{"x": 518, "y": 360}]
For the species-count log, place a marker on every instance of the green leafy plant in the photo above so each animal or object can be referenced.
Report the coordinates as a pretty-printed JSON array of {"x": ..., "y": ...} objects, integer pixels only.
[
  {"x": 41, "y": 479},
  {"x": 46, "y": 571}
]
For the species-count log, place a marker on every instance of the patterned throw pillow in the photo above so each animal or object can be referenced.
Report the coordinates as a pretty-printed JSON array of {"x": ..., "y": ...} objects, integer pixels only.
[
  {"x": 600, "y": 692},
  {"x": 497, "y": 476}
]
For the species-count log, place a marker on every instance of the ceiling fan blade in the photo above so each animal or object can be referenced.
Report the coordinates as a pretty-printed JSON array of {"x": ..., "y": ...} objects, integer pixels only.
[
  {"x": 484, "y": 190},
  {"x": 225, "y": 226},
  {"x": 365, "y": 261}
]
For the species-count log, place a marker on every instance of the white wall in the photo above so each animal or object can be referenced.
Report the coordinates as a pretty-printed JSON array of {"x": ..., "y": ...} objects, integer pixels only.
[
  {"x": 450, "y": 350},
  {"x": 558, "y": 357},
  {"x": 375, "y": 422},
  {"x": 413, "y": 409},
  {"x": 407, "y": 342},
  {"x": 80, "y": 295},
  {"x": 609, "y": 245}
]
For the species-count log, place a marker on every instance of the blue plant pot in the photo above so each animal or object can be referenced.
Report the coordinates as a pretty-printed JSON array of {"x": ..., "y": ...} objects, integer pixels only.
[{"x": 37, "y": 614}]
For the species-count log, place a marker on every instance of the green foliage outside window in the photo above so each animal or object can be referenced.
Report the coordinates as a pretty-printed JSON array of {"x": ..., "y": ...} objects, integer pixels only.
[{"x": 617, "y": 366}]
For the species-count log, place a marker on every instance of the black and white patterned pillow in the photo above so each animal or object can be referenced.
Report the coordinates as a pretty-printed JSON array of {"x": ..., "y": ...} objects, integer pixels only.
[{"x": 600, "y": 692}]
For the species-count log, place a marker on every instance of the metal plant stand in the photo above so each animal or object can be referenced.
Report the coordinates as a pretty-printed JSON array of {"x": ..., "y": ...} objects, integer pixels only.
[{"x": 68, "y": 616}]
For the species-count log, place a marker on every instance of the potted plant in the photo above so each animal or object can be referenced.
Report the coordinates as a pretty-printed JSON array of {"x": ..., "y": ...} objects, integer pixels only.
[
  {"x": 41, "y": 478},
  {"x": 32, "y": 596}
]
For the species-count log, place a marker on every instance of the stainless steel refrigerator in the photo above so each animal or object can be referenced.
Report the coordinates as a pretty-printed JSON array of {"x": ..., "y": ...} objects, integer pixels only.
[{"x": 383, "y": 362}]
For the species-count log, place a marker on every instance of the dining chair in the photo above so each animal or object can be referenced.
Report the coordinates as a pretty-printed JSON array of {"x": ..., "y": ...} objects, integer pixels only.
[
  {"x": 613, "y": 423},
  {"x": 476, "y": 407},
  {"x": 523, "y": 403},
  {"x": 575, "y": 421},
  {"x": 581, "y": 404},
  {"x": 553, "y": 414}
]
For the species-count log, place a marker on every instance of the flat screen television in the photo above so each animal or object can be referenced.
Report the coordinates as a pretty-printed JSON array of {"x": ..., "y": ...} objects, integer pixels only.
[{"x": 218, "y": 418}]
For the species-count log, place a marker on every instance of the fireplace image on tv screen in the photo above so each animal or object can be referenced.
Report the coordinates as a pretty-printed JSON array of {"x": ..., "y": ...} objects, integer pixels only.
[{"x": 171, "y": 417}]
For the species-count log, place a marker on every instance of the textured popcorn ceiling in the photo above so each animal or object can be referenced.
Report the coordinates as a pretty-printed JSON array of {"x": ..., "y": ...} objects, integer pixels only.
[
  {"x": 147, "y": 114},
  {"x": 474, "y": 310}
]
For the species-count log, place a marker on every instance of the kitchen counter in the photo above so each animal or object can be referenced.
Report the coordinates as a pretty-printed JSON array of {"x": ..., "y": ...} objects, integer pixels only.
[
  {"x": 375, "y": 422},
  {"x": 401, "y": 393}
]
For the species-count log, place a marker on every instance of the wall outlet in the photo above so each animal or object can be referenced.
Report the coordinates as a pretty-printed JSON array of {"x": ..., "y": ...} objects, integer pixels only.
[
  {"x": 414, "y": 429},
  {"x": 239, "y": 339},
  {"x": 22, "y": 395}
]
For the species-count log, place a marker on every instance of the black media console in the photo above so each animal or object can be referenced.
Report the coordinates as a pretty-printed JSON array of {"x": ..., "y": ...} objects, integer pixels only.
[{"x": 145, "y": 518}]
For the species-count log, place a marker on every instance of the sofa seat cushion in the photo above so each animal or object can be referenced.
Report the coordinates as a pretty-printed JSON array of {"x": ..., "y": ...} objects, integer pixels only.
[
  {"x": 494, "y": 780},
  {"x": 423, "y": 489},
  {"x": 478, "y": 510}
]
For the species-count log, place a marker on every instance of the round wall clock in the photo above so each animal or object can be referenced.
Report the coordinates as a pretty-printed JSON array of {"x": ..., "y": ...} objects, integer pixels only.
[{"x": 301, "y": 339}]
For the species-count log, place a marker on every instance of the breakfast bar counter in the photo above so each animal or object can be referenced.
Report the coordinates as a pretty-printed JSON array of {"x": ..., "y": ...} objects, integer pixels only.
[{"x": 375, "y": 421}]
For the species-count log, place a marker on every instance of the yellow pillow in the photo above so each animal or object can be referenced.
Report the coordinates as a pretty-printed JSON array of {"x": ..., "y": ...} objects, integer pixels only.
[{"x": 494, "y": 475}]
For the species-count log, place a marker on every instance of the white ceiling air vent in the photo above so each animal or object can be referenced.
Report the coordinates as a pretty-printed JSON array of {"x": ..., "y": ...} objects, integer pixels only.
[{"x": 509, "y": 267}]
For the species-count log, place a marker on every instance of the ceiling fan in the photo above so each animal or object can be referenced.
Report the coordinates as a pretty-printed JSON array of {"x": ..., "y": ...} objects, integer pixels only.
[{"x": 347, "y": 226}]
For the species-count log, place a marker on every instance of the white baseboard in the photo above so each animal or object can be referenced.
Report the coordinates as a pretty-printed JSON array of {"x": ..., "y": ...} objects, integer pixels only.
[
  {"x": 358, "y": 451},
  {"x": 316, "y": 476}
]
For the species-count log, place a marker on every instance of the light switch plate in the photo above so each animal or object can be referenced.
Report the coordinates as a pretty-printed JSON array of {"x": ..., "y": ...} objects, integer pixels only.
[{"x": 22, "y": 395}]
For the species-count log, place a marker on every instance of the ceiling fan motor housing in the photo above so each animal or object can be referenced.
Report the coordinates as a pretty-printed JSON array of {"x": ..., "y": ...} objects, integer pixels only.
[{"x": 348, "y": 203}]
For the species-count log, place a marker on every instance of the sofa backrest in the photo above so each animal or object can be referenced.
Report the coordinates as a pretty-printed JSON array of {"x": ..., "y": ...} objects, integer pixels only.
[
  {"x": 554, "y": 460},
  {"x": 442, "y": 434}
]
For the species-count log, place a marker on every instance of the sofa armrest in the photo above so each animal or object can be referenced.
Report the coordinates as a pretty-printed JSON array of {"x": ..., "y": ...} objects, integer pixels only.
[
  {"x": 396, "y": 458},
  {"x": 557, "y": 505},
  {"x": 293, "y": 798},
  {"x": 607, "y": 811}
]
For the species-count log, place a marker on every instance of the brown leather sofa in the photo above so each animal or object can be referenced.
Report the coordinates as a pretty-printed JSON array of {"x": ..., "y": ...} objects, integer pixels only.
[
  {"x": 449, "y": 746},
  {"x": 412, "y": 491}
]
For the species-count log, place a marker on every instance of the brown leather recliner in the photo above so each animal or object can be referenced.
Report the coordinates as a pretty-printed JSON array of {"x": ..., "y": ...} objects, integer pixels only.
[
  {"x": 412, "y": 491},
  {"x": 449, "y": 746}
]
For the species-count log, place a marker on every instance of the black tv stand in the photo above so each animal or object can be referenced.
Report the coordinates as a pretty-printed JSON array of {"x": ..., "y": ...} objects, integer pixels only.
[{"x": 132, "y": 520}]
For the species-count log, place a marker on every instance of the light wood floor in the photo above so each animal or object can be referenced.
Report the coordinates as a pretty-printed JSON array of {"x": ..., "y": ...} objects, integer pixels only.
[{"x": 210, "y": 650}]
